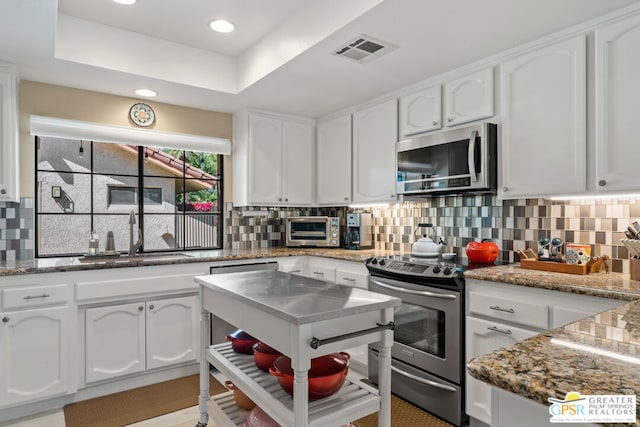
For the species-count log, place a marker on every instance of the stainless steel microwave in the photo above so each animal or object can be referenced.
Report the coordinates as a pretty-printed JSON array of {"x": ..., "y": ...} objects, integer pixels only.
[
  {"x": 313, "y": 231},
  {"x": 454, "y": 161}
]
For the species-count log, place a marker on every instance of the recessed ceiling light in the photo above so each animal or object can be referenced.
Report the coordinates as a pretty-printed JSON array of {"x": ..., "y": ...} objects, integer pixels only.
[
  {"x": 221, "y": 26},
  {"x": 127, "y": 2},
  {"x": 146, "y": 92}
]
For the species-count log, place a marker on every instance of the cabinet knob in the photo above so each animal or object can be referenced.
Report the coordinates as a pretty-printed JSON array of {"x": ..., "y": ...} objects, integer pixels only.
[
  {"x": 346, "y": 199},
  {"x": 449, "y": 119},
  {"x": 602, "y": 182},
  {"x": 140, "y": 308},
  {"x": 3, "y": 191},
  {"x": 505, "y": 189},
  {"x": 151, "y": 307},
  {"x": 435, "y": 122},
  {"x": 5, "y": 319},
  {"x": 279, "y": 199},
  {"x": 286, "y": 200}
]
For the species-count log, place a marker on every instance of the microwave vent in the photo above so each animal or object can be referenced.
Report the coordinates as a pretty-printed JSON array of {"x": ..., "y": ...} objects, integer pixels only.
[{"x": 363, "y": 49}]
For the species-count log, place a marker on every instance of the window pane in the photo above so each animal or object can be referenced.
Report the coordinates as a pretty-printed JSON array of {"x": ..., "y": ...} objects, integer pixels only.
[
  {"x": 160, "y": 232},
  {"x": 115, "y": 158},
  {"x": 119, "y": 224},
  {"x": 64, "y": 234},
  {"x": 160, "y": 194},
  {"x": 152, "y": 196},
  {"x": 63, "y": 155},
  {"x": 201, "y": 196},
  {"x": 200, "y": 229},
  {"x": 121, "y": 195},
  {"x": 64, "y": 192},
  {"x": 163, "y": 162},
  {"x": 205, "y": 163},
  {"x": 124, "y": 188}
]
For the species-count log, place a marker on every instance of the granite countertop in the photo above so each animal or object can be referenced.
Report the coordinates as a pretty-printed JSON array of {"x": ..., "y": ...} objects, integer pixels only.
[
  {"x": 51, "y": 265},
  {"x": 597, "y": 355},
  {"x": 297, "y": 300}
]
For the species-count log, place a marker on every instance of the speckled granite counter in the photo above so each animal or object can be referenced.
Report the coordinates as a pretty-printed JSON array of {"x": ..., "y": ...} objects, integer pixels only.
[
  {"x": 596, "y": 355},
  {"x": 51, "y": 265}
]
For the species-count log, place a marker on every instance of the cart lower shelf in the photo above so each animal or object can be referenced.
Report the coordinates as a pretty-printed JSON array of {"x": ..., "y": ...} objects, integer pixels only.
[{"x": 354, "y": 400}]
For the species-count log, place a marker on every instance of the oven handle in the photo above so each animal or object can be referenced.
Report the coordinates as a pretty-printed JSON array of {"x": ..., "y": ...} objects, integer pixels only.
[
  {"x": 411, "y": 291},
  {"x": 422, "y": 380},
  {"x": 472, "y": 156}
]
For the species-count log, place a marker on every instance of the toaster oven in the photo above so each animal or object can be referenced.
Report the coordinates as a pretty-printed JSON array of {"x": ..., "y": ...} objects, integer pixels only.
[{"x": 313, "y": 231}]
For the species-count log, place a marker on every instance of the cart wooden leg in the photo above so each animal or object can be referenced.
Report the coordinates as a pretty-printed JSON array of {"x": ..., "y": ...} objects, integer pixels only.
[
  {"x": 300, "y": 398},
  {"x": 384, "y": 373}
]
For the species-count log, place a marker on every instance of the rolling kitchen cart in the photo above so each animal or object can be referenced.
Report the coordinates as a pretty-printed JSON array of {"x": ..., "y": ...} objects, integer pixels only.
[{"x": 302, "y": 318}]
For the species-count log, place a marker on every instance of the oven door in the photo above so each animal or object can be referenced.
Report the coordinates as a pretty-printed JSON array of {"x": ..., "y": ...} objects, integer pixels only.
[{"x": 427, "y": 331}]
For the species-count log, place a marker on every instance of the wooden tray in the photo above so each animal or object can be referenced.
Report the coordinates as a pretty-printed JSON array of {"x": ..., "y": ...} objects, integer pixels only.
[{"x": 556, "y": 267}]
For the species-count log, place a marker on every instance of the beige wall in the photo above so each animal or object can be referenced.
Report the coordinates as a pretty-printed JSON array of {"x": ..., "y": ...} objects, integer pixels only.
[{"x": 76, "y": 104}]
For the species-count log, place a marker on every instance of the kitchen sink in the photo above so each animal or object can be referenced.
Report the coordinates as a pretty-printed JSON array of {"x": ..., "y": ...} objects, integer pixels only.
[{"x": 136, "y": 258}]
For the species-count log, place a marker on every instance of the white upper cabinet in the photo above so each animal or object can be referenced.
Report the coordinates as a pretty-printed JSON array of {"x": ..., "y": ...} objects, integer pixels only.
[
  {"x": 272, "y": 160},
  {"x": 543, "y": 146},
  {"x": 420, "y": 112},
  {"x": 469, "y": 98},
  {"x": 9, "y": 191},
  {"x": 375, "y": 131},
  {"x": 333, "y": 162},
  {"x": 617, "y": 106}
]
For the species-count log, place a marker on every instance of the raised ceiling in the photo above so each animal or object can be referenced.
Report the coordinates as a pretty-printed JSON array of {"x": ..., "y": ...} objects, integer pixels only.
[{"x": 280, "y": 56}]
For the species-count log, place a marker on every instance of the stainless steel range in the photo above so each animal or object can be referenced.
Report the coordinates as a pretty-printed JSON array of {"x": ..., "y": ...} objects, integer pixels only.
[{"x": 428, "y": 352}]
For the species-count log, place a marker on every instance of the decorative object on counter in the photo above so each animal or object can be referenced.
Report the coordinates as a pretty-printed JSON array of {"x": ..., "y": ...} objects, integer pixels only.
[
  {"x": 264, "y": 356},
  {"x": 241, "y": 342},
  {"x": 242, "y": 400},
  {"x": 485, "y": 252},
  {"x": 142, "y": 115},
  {"x": 634, "y": 269},
  {"x": 599, "y": 263},
  {"x": 258, "y": 418},
  {"x": 556, "y": 267},
  {"x": 448, "y": 256},
  {"x": 326, "y": 375},
  {"x": 543, "y": 247},
  {"x": 94, "y": 243},
  {"x": 556, "y": 244},
  {"x": 426, "y": 246},
  {"x": 110, "y": 247},
  {"x": 577, "y": 253}
]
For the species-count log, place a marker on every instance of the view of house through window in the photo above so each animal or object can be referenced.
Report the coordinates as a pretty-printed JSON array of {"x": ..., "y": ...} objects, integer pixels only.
[{"x": 85, "y": 186}]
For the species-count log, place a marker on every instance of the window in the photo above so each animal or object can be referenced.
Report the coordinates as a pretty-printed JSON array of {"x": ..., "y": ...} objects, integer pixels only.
[{"x": 83, "y": 186}]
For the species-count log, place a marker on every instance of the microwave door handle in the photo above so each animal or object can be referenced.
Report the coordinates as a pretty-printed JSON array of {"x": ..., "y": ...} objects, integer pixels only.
[{"x": 472, "y": 156}]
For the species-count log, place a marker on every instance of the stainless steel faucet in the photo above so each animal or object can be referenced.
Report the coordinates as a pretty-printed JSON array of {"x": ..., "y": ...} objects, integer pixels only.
[{"x": 133, "y": 247}]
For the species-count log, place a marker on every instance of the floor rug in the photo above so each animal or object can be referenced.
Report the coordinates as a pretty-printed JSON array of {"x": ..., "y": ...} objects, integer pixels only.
[
  {"x": 131, "y": 406},
  {"x": 403, "y": 414}
]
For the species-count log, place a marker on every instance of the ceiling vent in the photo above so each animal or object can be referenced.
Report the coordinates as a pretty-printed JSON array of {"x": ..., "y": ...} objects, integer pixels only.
[{"x": 364, "y": 49}]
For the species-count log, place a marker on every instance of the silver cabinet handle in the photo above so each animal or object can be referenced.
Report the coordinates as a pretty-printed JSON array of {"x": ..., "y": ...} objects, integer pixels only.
[
  {"x": 411, "y": 291},
  {"x": 295, "y": 271},
  {"x": 435, "y": 122},
  {"x": 602, "y": 182},
  {"x": 151, "y": 307},
  {"x": 5, "y": 319},
  {"x": 449, "y": 119},
  {"x": 471, "y": 156},
  {"x": 37, "y": 296},
  {"x": 349, "y": 279},
  {"x": 502, "y": 331},
  {"x": 498, "y": 308},
  {"x": 319, "y": 273},
  {"x": 140, "y": 308},
  {"x": 505, "y": 189}
]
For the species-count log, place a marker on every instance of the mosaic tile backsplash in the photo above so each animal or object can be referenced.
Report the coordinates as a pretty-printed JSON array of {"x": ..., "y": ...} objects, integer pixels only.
[
  {"x": 16, "y": 230},
  {"x": 512, "y": 224}
]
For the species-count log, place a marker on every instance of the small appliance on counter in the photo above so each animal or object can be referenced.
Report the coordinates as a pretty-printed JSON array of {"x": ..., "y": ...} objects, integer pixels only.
[
  {"x": 313, "y": 231},
  {"x": 359, "y": 233},
  {"x": 425, "y": 246}
]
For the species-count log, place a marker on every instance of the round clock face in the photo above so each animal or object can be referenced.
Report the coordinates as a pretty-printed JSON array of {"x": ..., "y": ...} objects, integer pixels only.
[{"x": 142, "y": 115}]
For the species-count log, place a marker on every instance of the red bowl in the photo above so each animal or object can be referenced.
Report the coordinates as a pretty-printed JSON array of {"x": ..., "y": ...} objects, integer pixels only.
[
  {"x": 258, "y": 418},
  {"x": 264, "y": 356},
  {"x": 326, "y": 375},
  {"x": 242, "y": 342}
]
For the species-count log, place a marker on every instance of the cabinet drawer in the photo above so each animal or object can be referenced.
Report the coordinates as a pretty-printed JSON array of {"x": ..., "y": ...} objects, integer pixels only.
[
  {"x": 328, "y": 274},
  {"x": 512, "y": 310},
  {"x": 33, "y": 296},
  {"x": 350, "y": 278}
]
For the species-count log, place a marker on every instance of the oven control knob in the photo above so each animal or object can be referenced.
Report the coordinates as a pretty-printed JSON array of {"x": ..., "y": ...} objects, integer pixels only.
[
  {"x": 382, "y": 262},
  {"x": 374, "y": 261},
  {"x": 436, "y": 269},
  {"x": 447, "y": 270}
]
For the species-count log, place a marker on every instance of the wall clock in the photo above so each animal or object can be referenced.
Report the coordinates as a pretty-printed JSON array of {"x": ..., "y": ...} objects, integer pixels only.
[{"x": 142, "y": 115}]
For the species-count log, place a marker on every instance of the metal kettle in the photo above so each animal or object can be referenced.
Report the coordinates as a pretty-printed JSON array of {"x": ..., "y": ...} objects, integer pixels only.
[{"x": 425, "y": 246}]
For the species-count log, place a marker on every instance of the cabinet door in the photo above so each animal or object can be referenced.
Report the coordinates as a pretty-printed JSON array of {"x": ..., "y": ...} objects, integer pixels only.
[
  {"x": 469, "y": 98},
  {"x": 297, "y": 176},
  {"x": 8, "y": 137},
  {"x": 375, "y": 132},
  {"x": 334, "y": 162},
  {"x": 115, "y": 341},
  {"x": 420, "y": 112},
  {"x": 482, "y": 337},
  {"x": 35, "y": 354},
  {"x": 172, "y": 331},
  {"x": 543, "y": 144},
  {"x": 265, "y": 166},
  {"x": 617, "y": 106}
]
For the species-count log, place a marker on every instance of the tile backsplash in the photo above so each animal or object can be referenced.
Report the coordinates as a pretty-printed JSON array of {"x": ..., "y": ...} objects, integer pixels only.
[
  {"x": 511, "y": 224},
  {"x": 16, "y": 230}
]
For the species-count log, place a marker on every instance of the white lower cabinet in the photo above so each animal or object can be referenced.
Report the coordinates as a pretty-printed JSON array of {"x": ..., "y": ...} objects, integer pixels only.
[
  {"x": 35, "y": 354},
  {"x": 131, "y": 338}
]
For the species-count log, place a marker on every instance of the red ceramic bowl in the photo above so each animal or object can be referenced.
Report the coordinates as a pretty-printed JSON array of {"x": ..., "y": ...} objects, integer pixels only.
[
  {"x": 264, "y": 356},
  {"x": 258, "y": 418},
  {"x": 242, "y": 342},
  {"x": 485, "y": 252},
  {"x": 326, "y": 375}
]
